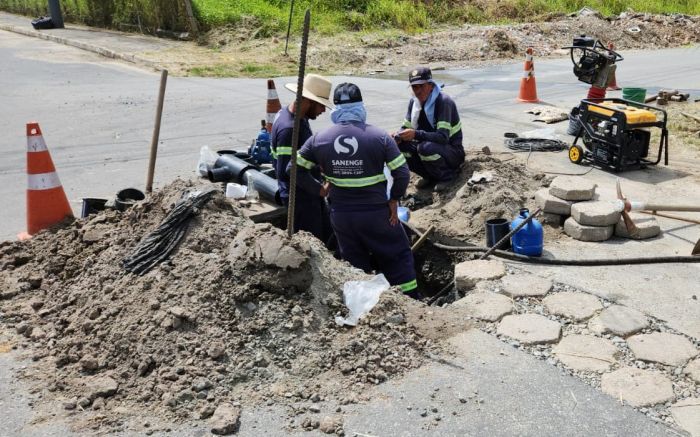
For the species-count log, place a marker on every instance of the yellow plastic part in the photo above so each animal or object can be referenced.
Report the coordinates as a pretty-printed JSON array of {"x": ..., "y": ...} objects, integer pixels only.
[{"x": 634, "y": 115}]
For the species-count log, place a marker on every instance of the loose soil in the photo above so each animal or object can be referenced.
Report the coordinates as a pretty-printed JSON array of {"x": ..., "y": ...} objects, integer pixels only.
[{"x": 238, "y": 313}]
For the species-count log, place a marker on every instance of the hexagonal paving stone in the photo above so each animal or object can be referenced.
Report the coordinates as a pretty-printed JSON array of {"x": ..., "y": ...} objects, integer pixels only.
[
  {"x": 530, "y": 328},
  {"x": 686, "y": 413},
  {"x": 552, "y": 204},
  {"x": 580, "y": 232},
  {"x": 577, "y": 306},
  {"x": 693, "y": 370},
  {"x": 619, "y": 320},
  {"x": 638, "y": 387},
  {"x": 519, "y": 285},
  {"x": 572, "y": 188},
  {"x": 468, "y": 273},
  {"x": 661, "y": 347},
  {"x": 585, "y": 352},
  {"x": 486, "y": 306},
  {"x": 647, "y": 227},
  {"x": 595, "y": 213}
]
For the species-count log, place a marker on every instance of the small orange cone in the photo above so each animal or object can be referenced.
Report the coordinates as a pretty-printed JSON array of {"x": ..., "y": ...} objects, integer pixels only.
[
  {"x": 46, "y": 201},
  {"x": 528, "y": 87},
  {"x": 612, "y": 81},
  {"x": 273, "y": 104}
]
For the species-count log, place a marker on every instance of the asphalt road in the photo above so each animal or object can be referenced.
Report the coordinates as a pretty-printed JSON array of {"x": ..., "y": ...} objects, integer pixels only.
[{"x": 97, "y": 115}]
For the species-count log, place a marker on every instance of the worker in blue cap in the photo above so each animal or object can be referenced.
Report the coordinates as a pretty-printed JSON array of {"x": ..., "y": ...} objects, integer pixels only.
[
  {"x": 431, "y": 135},
  {"x": 352, "y": 155}
]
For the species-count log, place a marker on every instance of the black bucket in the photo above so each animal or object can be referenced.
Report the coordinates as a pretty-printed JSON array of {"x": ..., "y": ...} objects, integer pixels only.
[
  {"x": 496, "y": 229},
  {"x": 127, "y": 197},
  {"x": 92, "y": 206}
]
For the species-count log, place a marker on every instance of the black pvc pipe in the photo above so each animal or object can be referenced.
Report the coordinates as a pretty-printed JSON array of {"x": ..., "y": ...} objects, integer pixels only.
[{"x": 229, "y": 168}]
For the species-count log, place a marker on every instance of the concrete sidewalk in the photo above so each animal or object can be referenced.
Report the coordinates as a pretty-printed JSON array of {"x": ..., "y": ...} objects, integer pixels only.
[{"x": 128, "y": 47}]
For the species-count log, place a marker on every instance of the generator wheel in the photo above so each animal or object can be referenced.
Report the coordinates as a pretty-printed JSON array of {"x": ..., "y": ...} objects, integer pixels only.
[{"x": 575, "y": 154}]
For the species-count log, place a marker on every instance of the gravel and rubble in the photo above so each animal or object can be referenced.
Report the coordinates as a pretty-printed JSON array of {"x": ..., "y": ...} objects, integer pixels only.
[
  {"x": 640, "y": 373},
  {"x": 458, "y": 46},
  {"x": 238, "y": 316}
]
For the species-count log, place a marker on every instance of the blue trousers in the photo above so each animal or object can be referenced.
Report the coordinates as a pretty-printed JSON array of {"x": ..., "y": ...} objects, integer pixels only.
[
  {"x": 308, "y": 214},
  {"x": 367, "y": 234},
  {"x": 437, "y": 162}
]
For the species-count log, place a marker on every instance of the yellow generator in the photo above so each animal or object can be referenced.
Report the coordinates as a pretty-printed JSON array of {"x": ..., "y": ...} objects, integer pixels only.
[{"x": 616, "y": 134}]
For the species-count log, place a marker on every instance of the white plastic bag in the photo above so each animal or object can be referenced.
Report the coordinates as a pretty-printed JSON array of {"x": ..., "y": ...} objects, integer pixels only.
[
  {"x": 207, "y": 158},
  {"x": 360, "y": 297},
  {"x": 235, "y": 191}
]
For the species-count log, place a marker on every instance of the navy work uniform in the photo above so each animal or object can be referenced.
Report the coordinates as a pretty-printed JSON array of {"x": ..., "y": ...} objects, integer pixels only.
[
  {"x": 352, "y": 155},
  {"x": 436, "y": 153},
  {"x": 308, "y": 212}
]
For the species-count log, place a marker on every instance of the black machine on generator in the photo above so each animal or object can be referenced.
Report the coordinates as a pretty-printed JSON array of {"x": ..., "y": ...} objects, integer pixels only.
[{"x": 615, "y": 132}]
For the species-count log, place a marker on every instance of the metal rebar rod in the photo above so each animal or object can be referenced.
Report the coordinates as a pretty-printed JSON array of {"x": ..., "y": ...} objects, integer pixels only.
[
  {"x": 289, "y": 27},
  {"x": 297, "y": 126}
]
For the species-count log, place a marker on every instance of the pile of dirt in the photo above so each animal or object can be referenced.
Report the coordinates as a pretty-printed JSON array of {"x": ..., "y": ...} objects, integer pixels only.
[
  {"x": 239, "y": 313},
  {"x": 230, "y": 51},
  {"x": 469, "y": 206}
]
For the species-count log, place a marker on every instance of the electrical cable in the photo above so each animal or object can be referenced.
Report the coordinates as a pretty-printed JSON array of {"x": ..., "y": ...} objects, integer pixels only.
[
  {"x": 159, "y": 244},
  {"x": 519, "y": 145}
]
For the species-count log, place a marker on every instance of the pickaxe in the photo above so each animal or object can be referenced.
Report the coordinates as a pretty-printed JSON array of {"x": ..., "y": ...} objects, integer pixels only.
[{"x": 625, "y": 206}]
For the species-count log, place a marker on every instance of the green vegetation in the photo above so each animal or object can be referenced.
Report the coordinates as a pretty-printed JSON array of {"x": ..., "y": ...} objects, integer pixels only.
[
  {"x": 263, "y": 18},
  {"x": 234, "y": 70}
]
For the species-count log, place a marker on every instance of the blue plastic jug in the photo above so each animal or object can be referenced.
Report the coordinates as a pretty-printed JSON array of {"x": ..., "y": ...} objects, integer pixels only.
[{"x": 530, "y": 239}]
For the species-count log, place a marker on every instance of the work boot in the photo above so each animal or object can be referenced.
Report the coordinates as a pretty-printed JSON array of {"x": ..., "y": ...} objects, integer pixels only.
[
  {"x": 415, "y": 294},
  {"x": 424, "y": 183}
]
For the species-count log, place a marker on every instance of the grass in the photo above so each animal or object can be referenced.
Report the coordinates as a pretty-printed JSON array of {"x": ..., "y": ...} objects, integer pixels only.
[
  {"x": 236, "y": 70},
  {"x": 269, "y": 17}
]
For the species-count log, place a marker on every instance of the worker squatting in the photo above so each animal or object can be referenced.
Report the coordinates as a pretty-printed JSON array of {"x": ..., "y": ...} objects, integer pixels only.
[{"x": 342, "y": 194}]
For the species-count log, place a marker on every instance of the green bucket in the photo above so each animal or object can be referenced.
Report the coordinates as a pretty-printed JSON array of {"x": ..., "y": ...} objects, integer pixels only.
[{"x": 634, "y": 94}]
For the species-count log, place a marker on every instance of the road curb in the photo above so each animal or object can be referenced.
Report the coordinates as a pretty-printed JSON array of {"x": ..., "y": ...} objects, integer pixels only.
[{"x": 108, "y": 53}]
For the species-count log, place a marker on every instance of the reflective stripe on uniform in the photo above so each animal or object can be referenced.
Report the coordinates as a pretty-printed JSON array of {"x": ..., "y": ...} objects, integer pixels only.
[
  {"x": 305, "y": 162},
  {"x": 396, "y": 162},
  {"x": 43, "y": 181},
  {"x": 407, "y": 123},
  {"x": 407, "y": 154},
  {"x": 409, "y": 286},
  {"x": 429, "y": 158},
  {"x": 447, "y": 126},
  {"x": 356, "y": 182},
  {"x": 283, "y": 150}
]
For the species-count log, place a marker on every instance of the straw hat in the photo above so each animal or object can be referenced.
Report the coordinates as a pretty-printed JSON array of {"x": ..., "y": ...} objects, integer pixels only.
[{"x": 316, "y": 88}]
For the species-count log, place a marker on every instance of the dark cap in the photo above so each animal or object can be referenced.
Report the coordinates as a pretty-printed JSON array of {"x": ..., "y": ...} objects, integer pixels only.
[
  {"x": 346, "y": 93},
  {"x": 420, "y": 75}
]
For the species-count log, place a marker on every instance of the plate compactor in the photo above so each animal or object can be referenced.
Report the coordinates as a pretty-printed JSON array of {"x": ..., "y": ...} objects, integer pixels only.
[{"x": 616, "y": 134}]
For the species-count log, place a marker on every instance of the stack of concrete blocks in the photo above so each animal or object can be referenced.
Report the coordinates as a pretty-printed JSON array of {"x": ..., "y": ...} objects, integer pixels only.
[
  {"x": 563, "y": 192},
  {"x": 570, "y": 200}
]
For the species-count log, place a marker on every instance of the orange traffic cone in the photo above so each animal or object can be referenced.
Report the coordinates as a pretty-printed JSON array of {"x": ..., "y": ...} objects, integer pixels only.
[
  {"x": 46, "y": 201},
  {"x": 612, "y": 81},
  {"x": 273, "y": 103},
  {"x": 528, "y": 87}
]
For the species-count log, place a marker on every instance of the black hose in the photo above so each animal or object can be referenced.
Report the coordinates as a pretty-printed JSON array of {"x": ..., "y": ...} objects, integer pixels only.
[{"x": 562, "y": 262}]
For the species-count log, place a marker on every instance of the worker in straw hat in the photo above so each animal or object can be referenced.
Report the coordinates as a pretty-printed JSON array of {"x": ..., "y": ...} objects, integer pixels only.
[
  {"x": 431, "y": 135},
  {"x": 353, "y": 154},
  {"x": 309, "y": 211}
]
